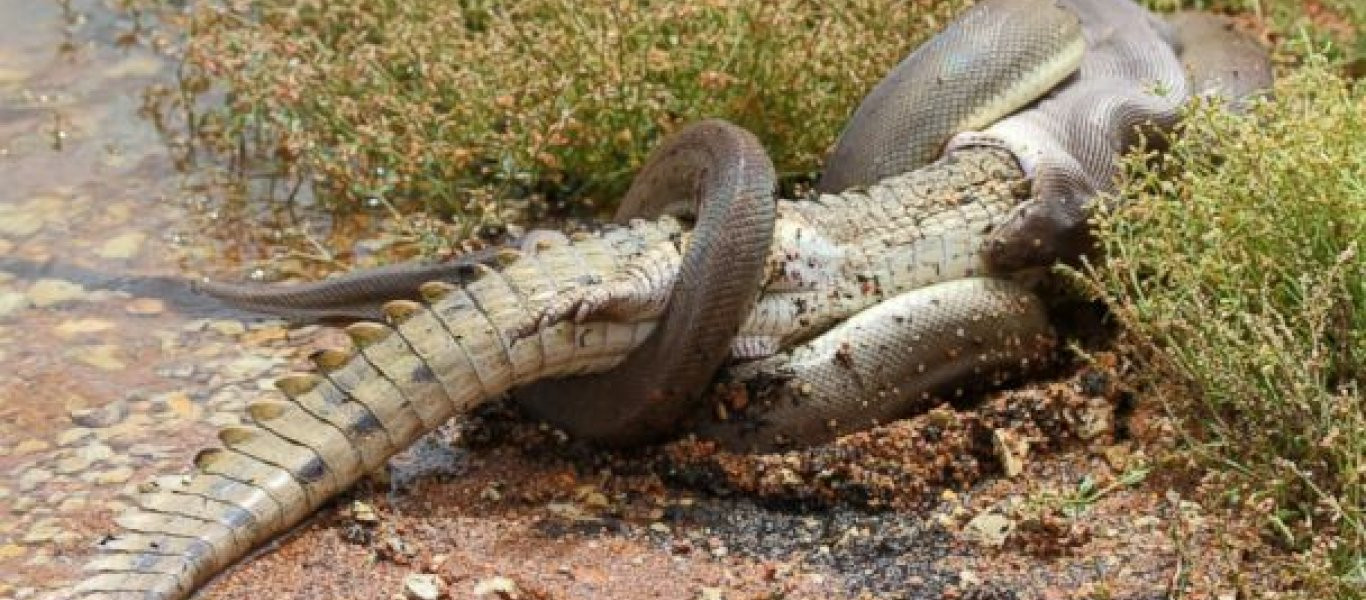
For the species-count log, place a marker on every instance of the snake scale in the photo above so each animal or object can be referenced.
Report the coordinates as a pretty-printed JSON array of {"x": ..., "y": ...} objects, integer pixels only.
[{"x": 847, "y": 308}]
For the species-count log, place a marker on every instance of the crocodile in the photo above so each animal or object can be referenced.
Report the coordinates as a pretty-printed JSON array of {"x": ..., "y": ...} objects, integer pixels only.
[
  {"x": 499, "y": 329},
  {"x": 885, "y": 295}
]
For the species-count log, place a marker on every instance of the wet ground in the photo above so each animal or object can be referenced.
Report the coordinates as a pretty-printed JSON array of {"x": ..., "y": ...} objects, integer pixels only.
[{"x": 112, "y": 373}]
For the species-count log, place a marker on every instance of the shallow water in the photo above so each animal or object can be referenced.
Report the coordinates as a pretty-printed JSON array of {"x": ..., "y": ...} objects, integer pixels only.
[{"x": 98, "y": 328}]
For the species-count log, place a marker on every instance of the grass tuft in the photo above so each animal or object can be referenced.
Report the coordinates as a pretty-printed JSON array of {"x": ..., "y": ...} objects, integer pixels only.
[
  {"x": 1238, "y": 267},
  {"x": 454, "y": 107}
]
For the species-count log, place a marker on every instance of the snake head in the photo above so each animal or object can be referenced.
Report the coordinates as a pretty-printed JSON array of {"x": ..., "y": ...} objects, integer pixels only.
[{"x": 1040, "y": 233}]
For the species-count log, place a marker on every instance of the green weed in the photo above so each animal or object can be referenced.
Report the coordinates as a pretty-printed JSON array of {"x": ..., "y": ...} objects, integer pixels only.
[
  {"x": 1238, "y": 267},
  {"x": 456, "y": 107}
]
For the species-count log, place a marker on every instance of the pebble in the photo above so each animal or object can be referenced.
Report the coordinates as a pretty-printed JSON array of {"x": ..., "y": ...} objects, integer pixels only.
[
  {"x": 73, "y": 436},
  {"x": 989, "y": 529},
  {"x": 12, "y": 302},
  {"x": 497, "y": 587},
  {"x": 23, "y": 504},
  {"x": 176, "y": 372},
  {"x": 104, "y": 416},
  {"x": 33, "y": 477},
  {"x": 247, "y": 367},
  {"x": 422, "y": 587},
  {"x": 96, "y": 452},
  {"x": 51, "y": 292},
  {"x": 1011, "y": 450},
  {"x": 178, "y": 403},
  {"x": 75, "y": 327},
  {"x": 227, "y": 327},
  {"x": 31, "y": 446},
  {"x": 225, "y": 419},
  {"x": 19, "y": 223},
  {"x": 101, "y": 356},
  {"x": 72, "y": 504},
  {"x": 73, "y": 464},
  {"x": 115, "y": 476},
  {"x": 363, "y": 513},
  {"x": 45, "y": 530},
  {"x": 149, "y": 451},
  {"x": 123, "y": 246},
  {"x": 145, "y": 307}
]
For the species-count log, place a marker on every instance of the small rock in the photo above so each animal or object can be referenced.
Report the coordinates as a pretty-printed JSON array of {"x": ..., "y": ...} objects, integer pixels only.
[
  {"x": 1011, "y": 450},
  {"x": 72, "y": 504},
  {"x": 95, "y": 452},
  {"x": 143, "y": 450},
  {"x": 17, "y": 223},
  {"x": 73, "y": 436},
  {"x": 227, "y": 327},
  {"x": 176, "y": 372},
  {"x": 101, "y": 356},
  {"x": 1117, "y": 456},
  {"x": 969, "y": 579},
  {"x": 711, "y": 593},
  {"x": 12, "y": 302},
  {"x": 265, "y": 335},
  {"x": 988, "y": 529},
  {"x": 499, "y": 587},
  {"x": 31, "y": 446},
  {"x": 247, "y": 367},
  {"x": 72, "y": 464},
  {"x": 45, "y": 530},
  {"x": 1097, "y": 418},
  {"x": 23, "y": 504},
  {"x": 32, "y": 478},
  {"x": 104, "y": 416},
  {"x": 145, "y": 307},
  {"x": 124, "y": 246},
  {"x": 363, "y": 513},
  {"x": 51, "y": 292},
  {"x": 225, "y": 419},
  {"x": 596, "y": 501},
  {"x": 178, "y": 403},
  {"x": 115, "y": 476},
  {"x": 75, "y": 327},
  {"x": 422, "y": 587}
]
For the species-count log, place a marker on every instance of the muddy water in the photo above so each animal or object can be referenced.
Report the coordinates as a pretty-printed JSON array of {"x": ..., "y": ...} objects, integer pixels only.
[{"x": 98, "y": 330}]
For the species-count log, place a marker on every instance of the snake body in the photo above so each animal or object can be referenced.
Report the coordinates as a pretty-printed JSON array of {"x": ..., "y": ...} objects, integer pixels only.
[
  {"x": 721, "y": 175},
  {"x": 997, "y": 57}
]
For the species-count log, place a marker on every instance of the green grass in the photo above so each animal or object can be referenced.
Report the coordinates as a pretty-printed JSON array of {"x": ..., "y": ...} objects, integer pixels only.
[
  {"x": 1238, "y": 267},
  {"x": 456, "y": 107}
]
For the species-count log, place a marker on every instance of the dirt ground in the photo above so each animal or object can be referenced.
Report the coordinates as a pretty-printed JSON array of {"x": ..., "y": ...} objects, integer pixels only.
[{"x": 113, "y": 374}]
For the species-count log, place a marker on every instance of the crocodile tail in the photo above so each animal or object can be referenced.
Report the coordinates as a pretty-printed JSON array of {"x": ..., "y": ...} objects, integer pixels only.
[{"x": 397, "y": 381}]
